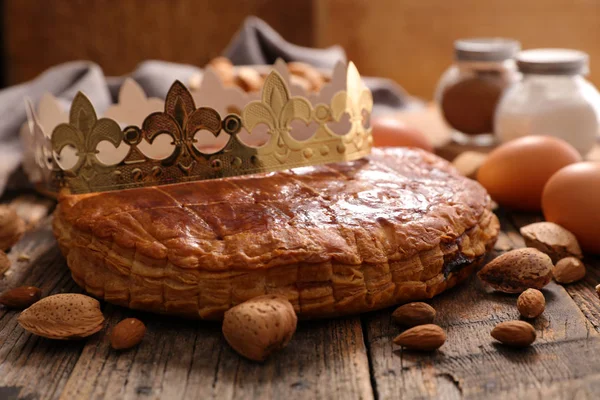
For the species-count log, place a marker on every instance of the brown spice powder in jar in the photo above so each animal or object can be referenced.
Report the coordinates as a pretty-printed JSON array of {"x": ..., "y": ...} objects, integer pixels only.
[
  {"x": 471, "y": 88},
  {"x": 469, "y": 105}
]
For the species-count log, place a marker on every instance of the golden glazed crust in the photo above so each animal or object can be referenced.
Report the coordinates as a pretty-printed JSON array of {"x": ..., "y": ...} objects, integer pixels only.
[{"x": 334, "y": 239}]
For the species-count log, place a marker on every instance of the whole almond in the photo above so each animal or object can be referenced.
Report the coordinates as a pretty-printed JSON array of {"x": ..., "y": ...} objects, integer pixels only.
[
  {"x": 195, "y": 81},
  {"x": 514, "y": 333},
  {"x": 314, "y": 78},
  {"x": 248, "y": 79},
  {"x": 518, "y": 270},
  {"x": 63, "y": 316},
  {"x": 569, "y": 270},
  {"x": 531, "y": 303},
  {"x": 413, "y": 314},
  {"x": 427, "y": 337},
  {"x": 301, "y": 82},
  {"x": 551, "y": 239},
  {"x": 468, "y": 162},
  {"x": 224, "y": 70},
  {"x": 260, "y": 326},
  {"x": 4, "y": 262},
  {"x": 127, "y": 333},
  {"x": 12, "y": 227},
  {"x": 598, "y": 290},
  {"x": 20, "y": 297}
]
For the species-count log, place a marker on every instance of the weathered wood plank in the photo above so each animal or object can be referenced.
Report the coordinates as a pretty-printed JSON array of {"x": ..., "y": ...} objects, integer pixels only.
[
  {"x": 471, "y": 365},
  {"x": 185, "y": 359},
  {"x": 34, "y": 367},
  {"x": 177, "y": 359}
]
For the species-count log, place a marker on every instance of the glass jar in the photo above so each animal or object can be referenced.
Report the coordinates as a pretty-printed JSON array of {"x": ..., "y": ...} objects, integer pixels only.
[
  {"x": 469, "y": 91},
  {"x": 553, "y": 99}
]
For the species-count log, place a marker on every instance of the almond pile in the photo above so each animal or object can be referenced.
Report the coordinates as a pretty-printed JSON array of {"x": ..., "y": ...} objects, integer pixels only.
[
  {"x": 526, "y": 270},
  {"x": 251, "y": 80},
  {"x": 423, "y": 335},
  {"x": 561, "y": 246}
]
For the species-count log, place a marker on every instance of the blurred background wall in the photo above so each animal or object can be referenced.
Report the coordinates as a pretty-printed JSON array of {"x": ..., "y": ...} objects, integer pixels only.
[{"x": 409, "y": 41}]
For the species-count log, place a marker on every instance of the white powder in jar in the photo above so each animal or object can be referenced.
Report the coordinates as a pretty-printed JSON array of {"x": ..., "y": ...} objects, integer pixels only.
[{"x": 566, "y": 107}]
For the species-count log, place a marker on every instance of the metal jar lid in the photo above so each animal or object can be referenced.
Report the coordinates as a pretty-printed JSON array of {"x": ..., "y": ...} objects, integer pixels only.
[
  {"x": 485, "y": 49},
  {"x": 553, "y": 62}
]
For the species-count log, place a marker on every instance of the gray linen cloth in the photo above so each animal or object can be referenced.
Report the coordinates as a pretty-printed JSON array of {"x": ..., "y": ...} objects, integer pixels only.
[{"x": 255, "y": 43}]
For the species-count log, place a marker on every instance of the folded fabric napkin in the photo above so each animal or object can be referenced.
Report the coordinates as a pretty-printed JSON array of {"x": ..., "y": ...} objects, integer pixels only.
[{"x": 255, "y": 43}]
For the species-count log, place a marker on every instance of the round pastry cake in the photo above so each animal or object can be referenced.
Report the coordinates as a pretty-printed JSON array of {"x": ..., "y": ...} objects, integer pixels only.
[{"x": 335, "y": 239}]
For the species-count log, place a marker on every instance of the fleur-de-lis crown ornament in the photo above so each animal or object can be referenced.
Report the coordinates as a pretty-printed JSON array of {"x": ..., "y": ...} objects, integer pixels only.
[{"x": 184, "y": 142}]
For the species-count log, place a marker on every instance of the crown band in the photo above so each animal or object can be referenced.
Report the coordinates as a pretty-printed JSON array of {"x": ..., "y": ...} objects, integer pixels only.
[{"x": 188, "y": 161}]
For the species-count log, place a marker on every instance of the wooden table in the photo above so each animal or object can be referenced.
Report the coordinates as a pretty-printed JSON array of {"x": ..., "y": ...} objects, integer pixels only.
[{"x": 345, "y": 358}]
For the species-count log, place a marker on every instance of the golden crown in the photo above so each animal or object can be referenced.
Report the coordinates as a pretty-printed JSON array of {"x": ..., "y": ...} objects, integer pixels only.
[{"x": 85, "y": 153}]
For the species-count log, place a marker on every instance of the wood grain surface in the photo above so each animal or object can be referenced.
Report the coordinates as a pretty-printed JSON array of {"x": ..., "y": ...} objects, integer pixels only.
[
  {"x": 346, "y": 358},
  {"x": 405, "y": 40},
  {"x": 119, "y": 35}
]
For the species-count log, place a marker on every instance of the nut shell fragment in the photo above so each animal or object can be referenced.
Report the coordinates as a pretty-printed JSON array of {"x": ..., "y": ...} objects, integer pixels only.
[
  {"x": 551, "y": 239},
  {"x": 569, "y": 270}
]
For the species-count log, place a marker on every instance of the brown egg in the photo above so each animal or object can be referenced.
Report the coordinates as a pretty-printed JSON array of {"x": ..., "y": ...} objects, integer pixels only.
[
  {"x": 390, "y": 131},
  {"x": 515, "y": 173},
  {"x": 572, "y": 199}
]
